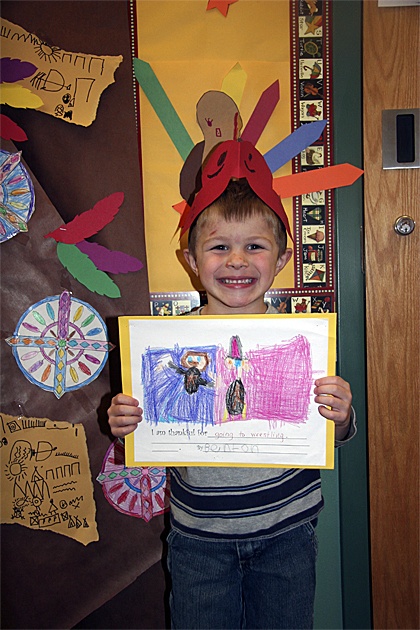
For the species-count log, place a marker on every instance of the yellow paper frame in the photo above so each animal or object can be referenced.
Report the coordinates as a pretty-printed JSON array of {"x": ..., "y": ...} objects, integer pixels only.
[{"x": 127, "y": 379}]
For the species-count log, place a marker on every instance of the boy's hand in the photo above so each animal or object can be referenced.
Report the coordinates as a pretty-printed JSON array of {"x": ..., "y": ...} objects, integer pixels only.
[
  {"x": 334, "y": 396},
  {"x": 124, "y": 415}
]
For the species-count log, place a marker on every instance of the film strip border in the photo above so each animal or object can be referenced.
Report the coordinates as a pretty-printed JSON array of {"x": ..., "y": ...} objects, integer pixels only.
[
  {"x": 311, "y": 97},
  {"x": 320, "y": 300}
]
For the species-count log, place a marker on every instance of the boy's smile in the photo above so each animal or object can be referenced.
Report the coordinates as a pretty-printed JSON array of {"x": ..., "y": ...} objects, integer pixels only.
[{"x": 236, "y": 262}]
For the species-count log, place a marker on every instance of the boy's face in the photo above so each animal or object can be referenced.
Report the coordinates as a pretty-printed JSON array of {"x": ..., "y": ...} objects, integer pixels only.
[{"x": 236, "y": 262}]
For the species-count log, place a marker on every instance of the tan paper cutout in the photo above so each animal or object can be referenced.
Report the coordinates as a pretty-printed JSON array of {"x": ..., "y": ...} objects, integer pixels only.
[
  {"x": 69, "y": 84},
  {"x": 45, "y": 477}
]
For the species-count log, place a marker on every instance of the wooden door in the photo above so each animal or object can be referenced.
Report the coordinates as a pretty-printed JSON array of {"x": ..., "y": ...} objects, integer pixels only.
[{"x": 391, "y": 57}]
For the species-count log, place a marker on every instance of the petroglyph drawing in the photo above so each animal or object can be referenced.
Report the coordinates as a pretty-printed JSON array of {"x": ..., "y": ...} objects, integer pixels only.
[
  {"x": 69, "y": 84},
  {"x": 45, "y": 477}
]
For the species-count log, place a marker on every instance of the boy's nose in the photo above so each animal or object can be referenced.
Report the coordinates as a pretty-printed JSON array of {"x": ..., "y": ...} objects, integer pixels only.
[{"x": 237, "y": 260}]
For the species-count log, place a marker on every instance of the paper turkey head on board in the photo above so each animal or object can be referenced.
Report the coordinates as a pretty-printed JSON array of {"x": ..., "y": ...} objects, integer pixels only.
[{"x": 219, "y": 120}]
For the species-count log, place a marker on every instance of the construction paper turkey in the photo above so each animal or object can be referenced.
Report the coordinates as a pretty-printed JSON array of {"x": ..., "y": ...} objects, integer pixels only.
[{"x": 234, "y": 159}]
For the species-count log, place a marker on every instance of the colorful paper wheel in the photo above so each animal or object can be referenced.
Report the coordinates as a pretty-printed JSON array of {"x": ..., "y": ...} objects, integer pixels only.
[
  {"x": 139, "y": 492},
  {"x": 60, "y": 344},
  {"x": 17, "y": 197}
]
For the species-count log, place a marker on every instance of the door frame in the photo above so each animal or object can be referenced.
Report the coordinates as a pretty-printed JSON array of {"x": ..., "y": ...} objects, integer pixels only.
[{"x": 353, "y": 459}]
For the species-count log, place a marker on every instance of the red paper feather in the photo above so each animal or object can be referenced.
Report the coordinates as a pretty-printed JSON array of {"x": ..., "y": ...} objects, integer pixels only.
[
  {"x": 10, "y": 130},
  {"x": 89, "y": 222}
]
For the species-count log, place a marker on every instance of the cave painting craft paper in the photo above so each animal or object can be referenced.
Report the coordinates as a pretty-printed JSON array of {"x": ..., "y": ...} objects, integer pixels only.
[
  {"x": 68, "y": 84},
  {"x": 228, "y": 391},
  {"x": 46, "y": 483}
]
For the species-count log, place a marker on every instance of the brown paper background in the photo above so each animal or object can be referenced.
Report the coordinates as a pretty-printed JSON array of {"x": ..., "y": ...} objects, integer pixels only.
[{"x": 47, "y": 580}]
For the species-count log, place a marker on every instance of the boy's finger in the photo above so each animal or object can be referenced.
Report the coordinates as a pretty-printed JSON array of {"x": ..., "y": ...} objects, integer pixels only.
[
  {"x": 333, "y": 390},
  {"x": 123, "y": 431},
  {"x": 125, "y": 410},
  {"x": 124, "y": 399}
]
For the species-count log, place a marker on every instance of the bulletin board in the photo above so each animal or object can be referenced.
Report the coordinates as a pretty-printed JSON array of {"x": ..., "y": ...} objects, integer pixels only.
[
  {"x": 77, "y": 251},
  {"x": 71, "y": 168},
  {"x": 217, "y": 51}
]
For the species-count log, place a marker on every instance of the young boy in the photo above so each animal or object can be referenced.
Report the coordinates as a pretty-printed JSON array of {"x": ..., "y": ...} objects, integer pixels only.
[{"x": 242, "y": 545}]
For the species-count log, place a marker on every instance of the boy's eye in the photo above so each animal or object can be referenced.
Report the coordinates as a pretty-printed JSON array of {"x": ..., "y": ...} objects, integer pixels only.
[{"x": 253, "y": 246}]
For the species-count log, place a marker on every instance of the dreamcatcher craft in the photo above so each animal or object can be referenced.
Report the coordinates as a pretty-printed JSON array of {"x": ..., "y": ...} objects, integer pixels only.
[
  {"x": 17, "y": 197},
  {"x": 60, "y": 344},
  {"x": 139, "y": 492}
]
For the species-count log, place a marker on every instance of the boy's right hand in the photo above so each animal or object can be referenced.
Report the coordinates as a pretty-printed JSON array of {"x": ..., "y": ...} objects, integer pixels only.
[{"x": 124, "y": 415}]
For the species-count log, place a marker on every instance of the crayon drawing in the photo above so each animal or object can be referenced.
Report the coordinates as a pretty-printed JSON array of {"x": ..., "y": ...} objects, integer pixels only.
[
  {"x": 228, "y": 391},
  {"x": 45, "y": 477},
  {"x": 212, "y": 385},
  {"x": 176, "y": 389}
]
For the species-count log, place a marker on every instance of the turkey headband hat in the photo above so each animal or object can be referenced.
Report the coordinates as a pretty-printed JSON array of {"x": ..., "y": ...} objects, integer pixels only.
[{"x": 234, "y": 159}]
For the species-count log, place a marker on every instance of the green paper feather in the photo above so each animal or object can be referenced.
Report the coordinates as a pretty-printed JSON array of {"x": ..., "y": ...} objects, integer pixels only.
[{"x": 84, "y": 271}]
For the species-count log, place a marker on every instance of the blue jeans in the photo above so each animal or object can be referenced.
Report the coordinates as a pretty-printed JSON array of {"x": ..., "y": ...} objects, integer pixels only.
[{"x": 254, "y": 583}]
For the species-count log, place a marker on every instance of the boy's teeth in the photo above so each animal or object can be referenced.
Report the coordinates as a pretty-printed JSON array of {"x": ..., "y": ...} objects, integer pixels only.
[{"x": 238, "y": 281}]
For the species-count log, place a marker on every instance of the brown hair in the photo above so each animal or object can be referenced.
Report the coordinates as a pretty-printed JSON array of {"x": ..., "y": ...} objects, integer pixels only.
[{"x": 238, "y": 203}]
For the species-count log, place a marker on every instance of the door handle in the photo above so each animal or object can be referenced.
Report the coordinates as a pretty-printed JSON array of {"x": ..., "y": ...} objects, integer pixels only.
[{"x": 404, "y": 225}]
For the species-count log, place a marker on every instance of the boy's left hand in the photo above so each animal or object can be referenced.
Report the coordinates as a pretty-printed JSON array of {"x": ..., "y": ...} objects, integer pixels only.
[{"x": 334, "y": 397}]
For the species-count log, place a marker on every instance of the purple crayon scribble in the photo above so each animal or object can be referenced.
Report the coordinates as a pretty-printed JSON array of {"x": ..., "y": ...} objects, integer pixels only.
[
  {"x": 166, "y": 398},
  {"x": 64, "y": 305}
]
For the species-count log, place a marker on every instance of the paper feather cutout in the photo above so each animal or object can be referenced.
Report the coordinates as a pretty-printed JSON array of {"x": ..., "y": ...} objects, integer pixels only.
[
  {"x": 262, "y": 113},
  {"x": 89, "y": 222},
  {"x": 9, "y": 130},
  {"x": 18, "y": 96},
  {"x": 109, "y": 260},
  {"x": 328, "y": 177},
  {"x": 84, "y": 271},
  {"x": 87, "y": 262},
  {"x": 293, "y": 144},
  {"x": 12, "y": 70}
]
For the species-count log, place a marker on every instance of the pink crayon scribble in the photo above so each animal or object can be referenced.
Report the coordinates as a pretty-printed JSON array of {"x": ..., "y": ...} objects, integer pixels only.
[{"x": 277, "y": 384}]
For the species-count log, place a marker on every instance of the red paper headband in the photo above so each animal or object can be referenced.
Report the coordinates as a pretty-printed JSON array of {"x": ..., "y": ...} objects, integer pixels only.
[{"x": 234, "y": 159}]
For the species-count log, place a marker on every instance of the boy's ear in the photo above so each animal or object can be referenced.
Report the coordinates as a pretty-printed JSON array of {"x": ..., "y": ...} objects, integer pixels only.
[
  {"x": 191, "y": 261},
  {"x": 283, "y": 259}
]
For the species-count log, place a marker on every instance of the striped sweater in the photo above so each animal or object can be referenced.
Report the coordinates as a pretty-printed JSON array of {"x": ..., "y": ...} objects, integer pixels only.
[{"x": 233, "y": 503}]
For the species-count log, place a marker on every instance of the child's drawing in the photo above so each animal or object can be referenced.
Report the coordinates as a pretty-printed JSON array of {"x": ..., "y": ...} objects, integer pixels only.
[
  {"x": 228, "y": 391},
  {"x": 235, "y": 395},
  {"x": 179, "y": 384},
  {"x": 272, "y": 383},
  {"x": 193, "y": 364},
  {"x": 45, "y": 477}
]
